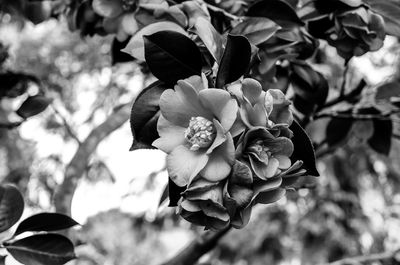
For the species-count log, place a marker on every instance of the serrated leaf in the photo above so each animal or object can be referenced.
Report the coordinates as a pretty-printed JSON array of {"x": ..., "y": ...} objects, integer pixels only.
[
  {"x": 172, "y": 56},
  {"x": 277, "y": 10},
  {"x": 337, "y": 130},
  {"x": 256, "y": 29},
  {"x": 45, "y": 222},
  {"x": 390, "y": 11},
  {"x": 235, "y": 60},
  {"x": 144, "y": 116},
  {"x": 11, "y": 206},
  {"x": 303, "y": 149},
  {"x": 135, "y": 46},
  {"x": 210, "y": 37},
  {"x": 42, "y": 249},
  {"x": 381, "y": 140},
  {"x": 33, "y": 105}
]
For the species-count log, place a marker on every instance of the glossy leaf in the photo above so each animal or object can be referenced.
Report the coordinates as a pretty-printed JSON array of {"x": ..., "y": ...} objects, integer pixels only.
[
  {"x": 33, "y": 105},
  {"x": 271, "y": 196},
  {"x": 117, "y": 56},
  {"x": 337, "y": 130},
  {"x": 256, "y": 29},
  {"x": 135, "y": 46},
  {"x": 144, "y": 116},
  {"x": 390, "y": 11},
  {"x": 277, "y": 10},
  {"x": 381, "y": 140},
  {"x": 11, "y": 206},
  {"x": 235, "y": 60},
  {"x": 172, "y": 56},
  {"x": 303, "y": 149},
  {"x": 42, "y": 249},
  {"x": 210, "y": 37},
  {"x": 45, "y": 222}
]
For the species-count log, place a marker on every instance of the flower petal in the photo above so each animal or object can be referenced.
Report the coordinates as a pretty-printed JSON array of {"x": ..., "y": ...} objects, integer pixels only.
[
  {"x": 219, "y": 138},
  {"x": 251, "y": 90},
  {"x": 171, "y": 135},
  {"x": 221, "y": 105},
  {"x": 220, "y": 161},
  {"x": 284, "y": 161},
  {"x": 183, "y": 165}
]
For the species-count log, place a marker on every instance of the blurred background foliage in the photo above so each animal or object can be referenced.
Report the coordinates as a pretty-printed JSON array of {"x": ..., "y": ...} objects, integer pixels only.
[{"x": 353, "y": 209}]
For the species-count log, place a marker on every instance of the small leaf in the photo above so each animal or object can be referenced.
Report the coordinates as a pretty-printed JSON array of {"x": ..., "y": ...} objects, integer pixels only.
[
  {"x": 270, "y": 196},
  {"x": 381, "y": 140},
  {"x": 388, "y": 90},
  {"x": 277, "y": 10},
  {"x": 337, "y": 130},
  {"x": 303, "y": 149},
  {"x": 390, "y": 11},
  {"x": 135, "y": 46},
  {"x": 42, "y": 249},
  {"x": 116, "y": 55},
  {"x": 210, "y": 37},
  {"x": 144, "y": 116},
  {"x": 11, "y": 206},
  {"x": 174, "y": 193},
  {"x": 33, "y": 105},
  {"x": 172, "y": 56},
  {"x": 45, "y": 222},
  {"x": 256, "y": 29},
  {"x": 235, "y": 60}
]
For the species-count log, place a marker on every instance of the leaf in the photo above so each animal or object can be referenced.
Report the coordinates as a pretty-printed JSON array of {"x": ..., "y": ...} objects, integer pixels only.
[
  {"x": 174, "y": 193},
  {"x": 38, "y": 12},
  {"x": 33, "y": 105},
  {"x": 45, "y": 222},
  {"x": 390, "y": 11},
  {"x": 388, "y": 90},
  {"x": 256, "y": 29},
  {"x": 210, "y": 37},
  {"x": 381, "y": 139},
  {"x": 172, "y": 56},
  {"x": 11, "y": 206},
  {"x": 303, "y": 149},
  {"x": 235, "y": 60},
  {"x": 116, "y": 55},
  {"x": 277, "y": 10},
  {"x": 337, "y": 129},
  {"x": 135, "y": 46},
  {"x": 3, "y": 260},
  {"x": 42, "y": 249},
  {"x": 144, "y": 116},
  {"x": 270, "y": 196}
]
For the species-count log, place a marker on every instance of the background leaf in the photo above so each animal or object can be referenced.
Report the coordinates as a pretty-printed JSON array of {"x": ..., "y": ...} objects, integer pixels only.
[
  {"x": 42, "y": 249},
  {"x": 210, "y": 37},
  {"x": 303, "y": 149},
  {"x": 172, "y": 56},
  {"x": 381, "y": 140},
  {"x": 33, "y": 105},
  {"x": 11, "y": 206},
  {"x": 45, "y": 222},
  {"x": 337, "y": 130},
  {"x": 144, "y": 116},
  {"x": 390, "y": 11},
  {"x": 235, "y": 60}
]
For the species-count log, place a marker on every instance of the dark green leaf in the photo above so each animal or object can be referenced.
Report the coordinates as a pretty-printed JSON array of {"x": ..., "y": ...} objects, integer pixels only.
[
  {"x": 14, "y": 84},
  {"x": 337, "y": 130},
  {"x": 390, "y": 11},
  {"x": 270, "y": 196},
  {"x": 210, "y": 37},
  {"x": 11, "y": 206},
  {"x": 45, "y": 222},
  {"x": 42, "y": 249},
  {"x": 172, "y": 56},
  {"x": 174, "y": 192},
  {"x": 144, "y": 116},
  {"x": 33, "y": 105},
  {"x": 277, "y": 10},
  {"x": 303, "y": 149},
  {"x": 388, "y": 90},
  {"x": 256, "y": 29},
  {"x": 381, "y": 140},
  {"x": 235, "y": 60},
  {"x": 3, "y": 260},
  {"x": 38, "y": 12},
  {"x": 117, "y": 56}
]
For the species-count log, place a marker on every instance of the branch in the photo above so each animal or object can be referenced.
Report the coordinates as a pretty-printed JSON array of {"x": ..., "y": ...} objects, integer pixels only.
[
  {"x": 69, "y": 129},
  {"x": 355, "y": 116},
  {"x": 197, "y": 248},
  {"x": 76, "y": 168},
  {"x": 365, "y": 259}
]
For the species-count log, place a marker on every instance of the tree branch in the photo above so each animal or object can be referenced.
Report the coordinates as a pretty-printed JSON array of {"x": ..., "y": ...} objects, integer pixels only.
[
  {"x": 78, "y": 164},
  {"x": 365, "y": 259},
  {"x": 197, "y": 248}
]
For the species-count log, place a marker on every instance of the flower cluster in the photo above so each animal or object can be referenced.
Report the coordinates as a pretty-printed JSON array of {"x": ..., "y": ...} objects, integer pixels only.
[{"x": 229, "y": 149}]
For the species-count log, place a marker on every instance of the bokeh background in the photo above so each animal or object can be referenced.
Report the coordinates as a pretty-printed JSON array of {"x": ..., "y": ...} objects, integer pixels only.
[{"x": 353, "y": 208}]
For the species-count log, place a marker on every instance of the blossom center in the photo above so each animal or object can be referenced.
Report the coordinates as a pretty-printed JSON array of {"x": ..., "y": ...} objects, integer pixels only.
[
  {"x": 129, "y": 5},
  {"x": 200, "y": 133},
  {"x": 262, "y": 151}
]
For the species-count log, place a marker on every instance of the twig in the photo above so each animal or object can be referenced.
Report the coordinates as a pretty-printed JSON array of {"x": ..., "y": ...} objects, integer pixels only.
[
  {"x": 197, "y": 248},
  {"x": 66, "y": 125},
  {"x": 364, "y": 259},
  {"x": 344, "y": 82}
]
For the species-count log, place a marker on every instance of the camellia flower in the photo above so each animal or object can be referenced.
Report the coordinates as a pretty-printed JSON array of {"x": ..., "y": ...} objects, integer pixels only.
[{"x": 194, "y": 128}]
